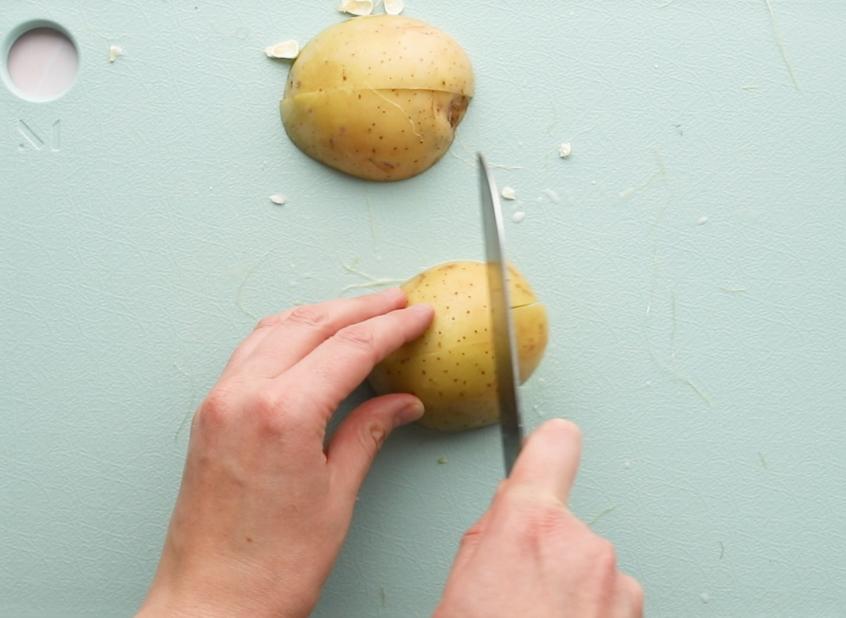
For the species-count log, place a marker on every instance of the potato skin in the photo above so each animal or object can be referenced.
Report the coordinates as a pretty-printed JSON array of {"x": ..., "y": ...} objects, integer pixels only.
[
  {"x": 377, "y": 97},
  {"x": 451, "y": 367}
]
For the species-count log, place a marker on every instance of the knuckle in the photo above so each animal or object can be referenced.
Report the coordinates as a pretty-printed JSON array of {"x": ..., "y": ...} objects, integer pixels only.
[
  {"x": 265, "y": 403},
  {"x": 471, "y": 536},
  {"x": 270, "y": 413},
  {"x": 358, "y": 336},
  {"x": 267, "y": 321},
  {"x": 217, "y": 408},
  {"x": 312, "y": 316},
  {"x": 545, "y": 519},
  {"x": 372, "y": 436},
  {"x": 535, "y": 518},
  {"x": 604, "y": 555},
  {"x": 599, "y": 561}
]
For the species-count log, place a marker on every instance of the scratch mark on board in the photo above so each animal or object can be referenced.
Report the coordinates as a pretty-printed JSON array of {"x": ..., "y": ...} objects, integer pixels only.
[
  {"x": 763, "y": 461},
  {"x": 671, "y": 369},
  {"x": 722, "y": 549},
  {"x": 370, "y": 280},
  {"x": 643, "y": 186},
  {"x": 473, "y": 158},
  {"x": 239, "y": 295},
  {"x": 682, "y": 378},
  {"x": 462, "y": 159},
  {"x": 674, "y": 326},
  {"x": 371, "y": 218},
  {"x": 780, "y": 44},
  {"x": 602, "y": 514},
  {"x": 502, "y": 166}
]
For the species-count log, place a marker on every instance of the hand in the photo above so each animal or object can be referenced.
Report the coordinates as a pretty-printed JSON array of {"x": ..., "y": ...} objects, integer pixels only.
[
  {"x": 264, "y": 507},
  {"x": 529, "y": 556}
]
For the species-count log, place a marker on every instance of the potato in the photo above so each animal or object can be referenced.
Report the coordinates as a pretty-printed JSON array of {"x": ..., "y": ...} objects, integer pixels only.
[
  {"x": 377, "y": 97},
  {"x": 451, "y": 367}
]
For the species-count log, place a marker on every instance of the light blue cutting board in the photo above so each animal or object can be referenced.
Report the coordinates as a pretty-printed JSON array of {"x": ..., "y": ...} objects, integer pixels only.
[{"x": 691, "y": 252}]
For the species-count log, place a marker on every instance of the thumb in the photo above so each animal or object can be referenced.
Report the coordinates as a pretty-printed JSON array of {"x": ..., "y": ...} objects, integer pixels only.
[{"x": 356, "y": 442}]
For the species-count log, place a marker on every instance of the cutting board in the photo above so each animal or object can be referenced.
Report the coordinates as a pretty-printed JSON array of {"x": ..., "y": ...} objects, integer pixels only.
[{"x": 690, "y": 251}]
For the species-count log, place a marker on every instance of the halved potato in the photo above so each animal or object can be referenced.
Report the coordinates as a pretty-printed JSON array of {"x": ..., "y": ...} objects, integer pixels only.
[{"x": 378, "y": 97}]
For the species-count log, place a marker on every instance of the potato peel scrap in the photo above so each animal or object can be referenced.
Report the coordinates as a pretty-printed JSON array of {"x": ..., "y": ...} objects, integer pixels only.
[
  {"x": 115, "y": 52},
  {"x": 356, "y": 7},
  {"x": 565, "y": 150},
  {"x": 509, "y": 193},
  {"x": 394, "y": 7},
  {"x": 288, "y": 50}
]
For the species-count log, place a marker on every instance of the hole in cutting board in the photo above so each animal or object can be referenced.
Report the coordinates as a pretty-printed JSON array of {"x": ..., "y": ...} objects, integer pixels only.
[{"x": 42, "y": 62}]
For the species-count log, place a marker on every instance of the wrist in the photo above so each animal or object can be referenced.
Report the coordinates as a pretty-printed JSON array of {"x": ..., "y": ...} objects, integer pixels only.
[
  {"x": 163, "y": 604},
  {"x": 157, "y": 607}
]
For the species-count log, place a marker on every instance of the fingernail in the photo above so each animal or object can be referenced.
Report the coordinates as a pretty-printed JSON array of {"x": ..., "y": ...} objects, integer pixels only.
[{"x": 409, "y": 413}]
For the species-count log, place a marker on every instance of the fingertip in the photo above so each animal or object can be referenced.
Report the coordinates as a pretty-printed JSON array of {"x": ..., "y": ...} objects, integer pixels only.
[
  {"x": 397, "y": 295},
  {"x": 422, "y": 309},
  {"x": 550, "y": 459},
  {"x": 561, "y": 429},
  {"x": 557, "y": 434},
  {"x": 409, "y": 412}
]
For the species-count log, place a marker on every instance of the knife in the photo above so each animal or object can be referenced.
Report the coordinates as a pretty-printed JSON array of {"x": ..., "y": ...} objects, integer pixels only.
[{"x": 505, "y": 355}]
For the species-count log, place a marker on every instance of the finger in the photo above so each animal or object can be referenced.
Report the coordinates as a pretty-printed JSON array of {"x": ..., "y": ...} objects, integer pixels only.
[
  {"x": 337, "y": 366},
  {"x": 248, "y": 345},
  {"x": 359, "y": 438},
  {"x": 306, "y": 327},
  {"x": 550, "y": 459},
  {"x": 628, "y": 602}
]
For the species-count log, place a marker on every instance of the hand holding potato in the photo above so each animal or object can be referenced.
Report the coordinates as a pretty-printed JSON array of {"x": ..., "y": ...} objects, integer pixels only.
[
  {"x": 264, "y": 508},
  {"x": 264, "y": 505},
  {"x": 529, "y": 556}
]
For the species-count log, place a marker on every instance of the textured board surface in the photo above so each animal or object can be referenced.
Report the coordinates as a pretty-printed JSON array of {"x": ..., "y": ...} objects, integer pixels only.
[{"x": 691, "y": 252}]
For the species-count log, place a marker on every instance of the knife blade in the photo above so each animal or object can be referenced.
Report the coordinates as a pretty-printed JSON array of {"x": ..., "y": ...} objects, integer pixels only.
[{"x": 505, "y": 349}]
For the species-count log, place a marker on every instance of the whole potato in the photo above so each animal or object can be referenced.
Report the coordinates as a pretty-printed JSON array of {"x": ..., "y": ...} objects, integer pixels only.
[
  {"x": 451, "y": 367},
  {"x": 378, "y": 97}
]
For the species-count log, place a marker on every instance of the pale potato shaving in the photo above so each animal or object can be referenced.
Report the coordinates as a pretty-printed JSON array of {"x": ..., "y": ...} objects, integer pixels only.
[
  {"x": 565, "y": 150},
  {"x": 518, "y": 216},
  {"x": 508, "y": 193},
  {"x": 356, "y": 7},
  {"x": 289, "y": 49},
  {"x": 278, "y": 199},
  {"x": 115, "y": 52},
  {"x": 394, "y": 7}
]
